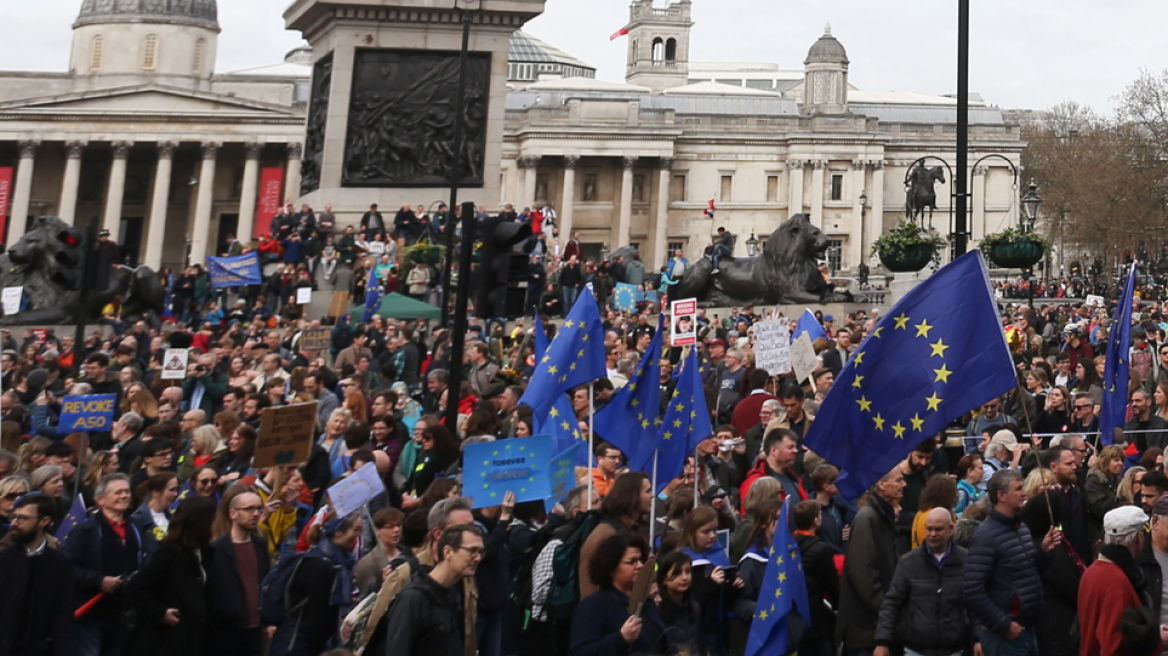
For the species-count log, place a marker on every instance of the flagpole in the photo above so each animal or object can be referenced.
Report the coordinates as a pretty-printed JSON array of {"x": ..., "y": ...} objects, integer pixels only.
[
  {"x": 1037, "y": 456},
  {"x": 696, "y": 472},
  {"x": 652, "y": 506},
  {"x": 591, "y": 437},
  {"x": 80, "y": 459}
]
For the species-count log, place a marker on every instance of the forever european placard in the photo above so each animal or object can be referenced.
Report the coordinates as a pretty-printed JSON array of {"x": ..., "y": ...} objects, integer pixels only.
[
  {"x": 522, "y": 466},
  {"x": 234, "y": 271},
  {"x": 91, "y": 413}
]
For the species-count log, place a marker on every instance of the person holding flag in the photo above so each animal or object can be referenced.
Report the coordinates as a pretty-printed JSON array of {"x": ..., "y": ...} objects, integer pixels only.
[{"x": 784, "y": 592}]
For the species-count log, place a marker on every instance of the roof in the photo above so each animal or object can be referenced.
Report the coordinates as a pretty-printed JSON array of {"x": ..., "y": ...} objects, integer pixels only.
[
  {"x": 528, "y": 49},
  {"x": 586, "y": 84},
  {"x": 905, "y": 98},
  {"x": 827, "y": 50},
  {"x": 284, "y": 69},
  {"x": 204, "y": 12},
  {"x": 716, "y": 89}
]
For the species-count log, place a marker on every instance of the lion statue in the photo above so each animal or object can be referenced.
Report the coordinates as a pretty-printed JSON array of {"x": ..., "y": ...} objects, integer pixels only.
[
  {"x": 785, "y": 272},
  {"x": 32, "y": 263}
]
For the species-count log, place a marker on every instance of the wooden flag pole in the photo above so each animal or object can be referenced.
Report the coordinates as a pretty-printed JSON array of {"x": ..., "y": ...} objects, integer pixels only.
[
  {"x": 1037, "y": 455},
  {"x": 591, "y": 436}
]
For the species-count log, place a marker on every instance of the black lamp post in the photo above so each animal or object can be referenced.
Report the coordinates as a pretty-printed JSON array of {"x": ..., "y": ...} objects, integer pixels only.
[
  {"x": 1031, "y": 203},
  {"x": 752, "y": 245}
]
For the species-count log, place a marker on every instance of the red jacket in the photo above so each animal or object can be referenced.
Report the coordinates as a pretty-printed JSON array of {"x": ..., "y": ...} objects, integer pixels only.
[
  {"x": 745, "y": 415},
  {"x": 1103, "y": 594},
  {"x": 760, "y": 470}
]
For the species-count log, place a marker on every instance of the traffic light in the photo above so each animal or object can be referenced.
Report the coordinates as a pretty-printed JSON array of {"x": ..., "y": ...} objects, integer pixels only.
[
  {"x": 71, "y": 258},
  {"x": 503, "y": 280}
]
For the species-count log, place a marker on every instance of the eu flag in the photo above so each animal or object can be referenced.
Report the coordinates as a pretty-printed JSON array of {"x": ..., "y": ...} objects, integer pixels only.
[
  {"x": 631, "y": 419},
  {"x": 560, "y": 422},
  {"x": 1118, "y": 364},
  {"x": 75, "y": 516},
  {"x": 575, "y": 357},
  {"x": 686, "y": 423},
  {"x": 938, "y": 353},
  {"x": 626, "y": 297},
  {"x": 783, "y": 590},
  {"x": 810, "y": 325},
  {"x": 373, "y": 296},
  {"x": 183, "y": 492}
]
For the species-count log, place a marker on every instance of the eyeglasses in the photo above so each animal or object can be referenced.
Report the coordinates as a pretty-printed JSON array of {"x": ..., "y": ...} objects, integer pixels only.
[
  {"x": 12, "y": 496},
  {"x": 1080, "y": 406},
  {"x": 250, "y": 509},
  {"x": 205, "y": 481},
  {"x": 475, "y": 552}
]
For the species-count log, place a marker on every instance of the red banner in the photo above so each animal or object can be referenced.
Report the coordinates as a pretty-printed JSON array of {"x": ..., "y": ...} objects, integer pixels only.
[
  {"x": 271, "y": 186},
  {"x": 5, "y": 197}
]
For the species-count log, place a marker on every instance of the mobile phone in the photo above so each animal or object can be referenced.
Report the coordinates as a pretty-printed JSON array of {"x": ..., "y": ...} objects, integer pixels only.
[{"x": 731, "y": 573}]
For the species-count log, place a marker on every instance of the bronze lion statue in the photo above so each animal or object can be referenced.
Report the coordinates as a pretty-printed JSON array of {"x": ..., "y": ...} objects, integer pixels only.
[
  {"x": 32, "y": 263},
  {"x": 785, "y": 272}
]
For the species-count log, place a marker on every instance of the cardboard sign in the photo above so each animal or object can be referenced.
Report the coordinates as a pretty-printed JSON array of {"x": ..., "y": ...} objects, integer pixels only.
[
  {"x": 286, "y": 435},
  {"x": 355, "y": 490},
  {"x": 11, "y": 299},
  {"x": 174, "y": 364},
  {"x": 1095, "y": 301},
  {"x": 339, "y": 305},
  {"x": 303, "y": 295},
  {"x": 803, "y": 359},
  {"x": 317, "y": 339},
  {"x": 522, "y": 466},
  {"x": 684, "y": 322},
  {"x": 641, "y": 586},
  {"x": 91, "y": 413},
  {"x": 772, "y": 346}
]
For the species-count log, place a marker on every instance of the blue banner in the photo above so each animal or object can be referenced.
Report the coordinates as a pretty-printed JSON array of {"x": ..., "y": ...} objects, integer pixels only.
[
  {"x": 235, "y": 271},
  {"x": 563, "y": 474},
  {"x": 491, "y": 469},
  {"x": 93, "y": 413}
]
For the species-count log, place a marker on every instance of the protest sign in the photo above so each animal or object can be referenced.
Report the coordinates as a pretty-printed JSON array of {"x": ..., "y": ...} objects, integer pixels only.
[
  {"x": 303, "y": 295},
  {"x": 684, "y": 322},
  {"x": 355, "y": 490},
  {"x": 235, "y": 271},
  {"x": 491, "y": 469},
  {"x": 91, "y": 413},
  {"x": 174, "y": 364},
  {"x": 316, "y": 339},
  {"x": 772, "y": 347},
  {"x": 563, "y": 475},
  {"x": 11, "y": 299},
  {"x": 1095, "y": 301},
  {"x": 803, "y": 358},
  {"x": 286, "y": 435}
]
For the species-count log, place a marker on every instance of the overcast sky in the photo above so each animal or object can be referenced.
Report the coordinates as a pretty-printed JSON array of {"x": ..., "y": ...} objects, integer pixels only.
[{"x": 1024, "y": 53}]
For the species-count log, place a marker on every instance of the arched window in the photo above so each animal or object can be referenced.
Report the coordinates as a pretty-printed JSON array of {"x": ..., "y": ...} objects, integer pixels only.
[
  {"x": 671, "y": 50},
  {"x": 150, "y": 52},
  {"x": 200, "y": 48},
  {"x": 95, "y": 54},
  {"x": 658, "y": 51}
]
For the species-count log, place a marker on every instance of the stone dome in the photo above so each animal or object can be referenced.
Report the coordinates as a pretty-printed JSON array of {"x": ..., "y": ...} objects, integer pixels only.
[
  {"x": 203, "y": 13},
  {"x": 827, "y": 50}
]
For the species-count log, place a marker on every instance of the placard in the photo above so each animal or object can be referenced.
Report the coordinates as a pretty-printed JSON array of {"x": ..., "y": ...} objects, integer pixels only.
[
  {"x": 235, "y": 271},
  {"x": 355, "y": 490},
  {"x": 174, "y": 364},
  {"x": 683, "y": 322},
  {"x": 522, "y": 466},
  {"x": 803, "y": 359},
  {"x": 563, "y": 475},
  {"x": 1095, "y": 301},
  {"x": 90, "y": 413},
  {"x": 316, "y": 339},
  {"x": 339, "y": 305},
  {"x": 286, "y": 435},
  {"x": 772, "y": 346},
  {"x": 303, "y": 295},
  {"x": 11, "y": 299}
]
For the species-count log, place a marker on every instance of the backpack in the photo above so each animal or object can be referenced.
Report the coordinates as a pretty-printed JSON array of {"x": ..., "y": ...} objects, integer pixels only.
[
  {"x": 521, "y": 580},
  {"x": 565, "y": 591},
  {"x": 276, "y": 590}
]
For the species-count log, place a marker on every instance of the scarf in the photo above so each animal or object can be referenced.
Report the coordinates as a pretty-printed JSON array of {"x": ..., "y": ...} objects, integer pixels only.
[
  {"x": 715, "y": 555},
  {"x": 343, "y": 591}
]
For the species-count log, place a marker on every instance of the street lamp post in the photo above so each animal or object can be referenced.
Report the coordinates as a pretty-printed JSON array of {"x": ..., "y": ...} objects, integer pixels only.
[
  {"x": 1031, "y": 203},
  {"x": 752, "y": 245}
]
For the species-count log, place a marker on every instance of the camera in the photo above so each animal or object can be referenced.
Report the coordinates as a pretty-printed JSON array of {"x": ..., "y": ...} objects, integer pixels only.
[
  {"x": 200, "y": 368},
  {"x": 713, "y": 493}
]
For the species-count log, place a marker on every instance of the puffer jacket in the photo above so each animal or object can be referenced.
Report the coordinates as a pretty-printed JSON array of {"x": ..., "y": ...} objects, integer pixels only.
[
  {"x": 1002, "y": 582},
  {"x": 923, "y": 609}
]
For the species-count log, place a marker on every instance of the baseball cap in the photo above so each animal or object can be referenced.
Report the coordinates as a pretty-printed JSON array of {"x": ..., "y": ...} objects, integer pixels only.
[
  {"x": 716, "y": 342},
  {"x": 1006, "y": 439},
  {"x": 828, "y": 317},
  {"x": 1124, "y": 520}
]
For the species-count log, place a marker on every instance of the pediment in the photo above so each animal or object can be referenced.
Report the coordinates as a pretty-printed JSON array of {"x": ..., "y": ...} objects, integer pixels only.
[{"x": 150, "y": 99}]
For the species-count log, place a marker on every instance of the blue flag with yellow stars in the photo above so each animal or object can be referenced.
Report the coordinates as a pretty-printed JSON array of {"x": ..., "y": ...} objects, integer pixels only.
[
  {"x": 373, "y": 296},
  {"x": 810, "y": 325},
  {"x": 565, "y": 429},
  {"x": 937, "y": 354},
  {"x": 783, "y": 590},
  {"x": 75, "y": 516},
  {"x": 183, "y": 492},
  {"x": 632, "y": 418},
  {"x": 626, "y": 297},
  {"x": 575, "y": 357},
  {"x": 686, "y": 423},
  {"x": 541, "y": 344},
  {"x": 1118, "y": 364}
]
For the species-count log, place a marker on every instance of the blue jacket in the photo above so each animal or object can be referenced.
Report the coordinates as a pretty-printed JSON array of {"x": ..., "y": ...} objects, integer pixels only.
[
  {"x": 42, "y": 424},
  {"x": 597, "y": 621},
  {"x": 1002, "y": 574},
  {"x": 144, "y": 520}
]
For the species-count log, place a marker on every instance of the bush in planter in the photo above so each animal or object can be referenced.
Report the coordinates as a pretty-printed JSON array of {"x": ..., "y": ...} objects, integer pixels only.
[
  {"x": 1014, "y": 248},
  {"x": 907, "y": 247},
  {"x": 424, "y": 253}
]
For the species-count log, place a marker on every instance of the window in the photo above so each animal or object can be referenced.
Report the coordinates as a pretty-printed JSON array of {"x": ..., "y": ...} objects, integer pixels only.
[
  {"x": 590, "y": 180},
  {"x": 772, "y": 188},
  {"x": 726, "y": 188},
  {"x": 521, "y": 71},
  {"x": 503, "y": 187},
  {"x": 95, "y": 54},
  {"x": 835, "y": 249},
  {"x": 837, "y": 186},
  {"x": 200, "y": 48},
  {"x": 671, "y": 50},
  {"x": 658, "y": 52},
  {"x": 638, "y": 188},
  {"x": 675, "y": 246},
  {"x": 677, "y": 189},
  {"x": 150, "y": 52}
]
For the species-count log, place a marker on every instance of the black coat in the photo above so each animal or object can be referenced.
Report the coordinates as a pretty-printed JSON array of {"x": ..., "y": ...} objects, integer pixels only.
[
  {"x": 47, "y": 623},
  {"x": 868, "y": 572},
  {"x": 229, "y": 605},
  {"x": 823, "y": 583},
  {"x": 423, "y": 619},
  {"x": 173, "y": 578},
  {"x": 923, "y": 609},
  {"x": 87, "y": 547},
  {"x": 1060, "y": 604}
]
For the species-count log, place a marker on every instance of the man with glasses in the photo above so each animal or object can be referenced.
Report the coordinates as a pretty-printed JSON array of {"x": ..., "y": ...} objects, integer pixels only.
[
  {"x": 1083, "y": 419},
  {"x": 608, "y": 459},
  {"x": 1159, "y": 372},
  {"x": 753, "y": 438},
  {"x": 1145, "y": 419},
  {"x": 241, "y": 563},
  {"x": 747, "y": 412},
  {"x": 36, "y": 612},
  {"x": 991, "y": 419},
  {"x": 156, "y": 457}
]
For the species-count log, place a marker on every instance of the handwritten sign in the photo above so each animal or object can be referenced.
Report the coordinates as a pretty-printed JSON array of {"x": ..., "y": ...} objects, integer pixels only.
[
  {"x": 286, "y": 435},
  {"x": 684, "y": 322},
  {"x": 174, "y": 364},
  {"x": 491, "y": 469},
  {"x": 1095, "y": 301},
  {"x": 772, "y": 347},
  {"x": 11, "y": 299},
  {"x": 91, "y": 413},
  {"x": 303, "y": 295},
  {"x": 355, "y": 490},
  {"x": 803, "y": 358},
  {"x": 316, "y": 339}
]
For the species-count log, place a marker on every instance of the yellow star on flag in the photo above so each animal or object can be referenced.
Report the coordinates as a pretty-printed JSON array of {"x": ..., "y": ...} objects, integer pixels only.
[
  {"x": 782, "y": 576},
  {"x": 565, "y": 425},
  {"x": 898, "y": 429},
  {"x": 679, "y": 407},
  {"x": 544, "y": 359},
  {"x": 901, "y": 321},
  {"x": 552, "y": 369},
  {"x": 917, "y": 422},
  {"x": 942, "y": 374},
  {"x": 762, "y": 615},
  {"x": 876, "y": 333},
  {"x": 923, "y": 328},
  {"x": 569, "y": 323},
  {"x": 879, "y": 421},
  {"x": 856, "y": 382},
  {"x": 934, "y": 401},
  {"x": 677, "y": 423},
  {"x": 939, "y": 347},
  {"x": 572, "y": 367},
  {"x": 668, "y": 435},
  {"x": 859, "y": 357},
  {"x": 865, "y": 404},
  {"x": 554, "y": 412}
]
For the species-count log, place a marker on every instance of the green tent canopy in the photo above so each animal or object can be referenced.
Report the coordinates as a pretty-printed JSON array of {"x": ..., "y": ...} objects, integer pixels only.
[{"x": 396, "y": 306}]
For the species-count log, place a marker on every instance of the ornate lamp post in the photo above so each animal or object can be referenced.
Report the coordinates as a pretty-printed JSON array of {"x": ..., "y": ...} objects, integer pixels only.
[
  {"x": 752, "y": 245},
  {"x": 1031, "y": 203}
]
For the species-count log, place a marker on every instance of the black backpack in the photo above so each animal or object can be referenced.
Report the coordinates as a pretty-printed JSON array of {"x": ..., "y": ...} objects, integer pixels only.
[
  {"x": 276, "y": 601},
  {"x": 521, "y": 580}
]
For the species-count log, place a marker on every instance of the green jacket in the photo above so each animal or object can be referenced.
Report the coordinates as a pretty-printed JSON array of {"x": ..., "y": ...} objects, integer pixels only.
[{"x": 215, "y": 384}]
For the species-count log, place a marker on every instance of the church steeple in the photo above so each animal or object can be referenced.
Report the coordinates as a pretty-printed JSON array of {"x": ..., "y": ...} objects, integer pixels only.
[{"x": 658, "y": 55}]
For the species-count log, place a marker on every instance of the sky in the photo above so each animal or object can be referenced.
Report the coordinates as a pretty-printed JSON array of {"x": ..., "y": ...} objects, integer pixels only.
[{"x": 1029, "y": 54}]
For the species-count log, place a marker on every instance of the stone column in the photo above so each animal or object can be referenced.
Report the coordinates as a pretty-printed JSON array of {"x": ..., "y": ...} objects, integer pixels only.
[
  {"x": 875, "y": 226},
  {"x": 568, "y": 202},
  {"x": 528, "y": 164},
  {"x": 206, "y": 196},
  {"x": 795, "y": 204},
  {"x": 817, "y": 192},
  {"x": 116, "y": 190},
  {"x": 625, "y": 220},
  {"x": 292, "y": 174},
  {"x": 660, "y": 255},
  {"x": 22, "y": 192},
  {"x": 67, "y": 208},
  {"x": 856, "y": 235},
  {"x": 977, "y": 225},
  {"x": 247, "y": 196},
  {"x": 159, "y": 202}
]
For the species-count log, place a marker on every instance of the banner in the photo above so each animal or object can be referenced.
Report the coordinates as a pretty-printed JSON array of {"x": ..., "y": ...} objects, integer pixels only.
[
  {"x": 491, "y": 469},
  {"x": 271, "y": 188},
  {"x": 5, "y": 199},
  {"x": 286, "y": 435},
  {"x": 772, "y": 346},
  {"x": 235, "y": 271},
  {"x": 92, "y": 413},
  {"x": 355, "y": 490},
  {"x": 316, "y": 339}
]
